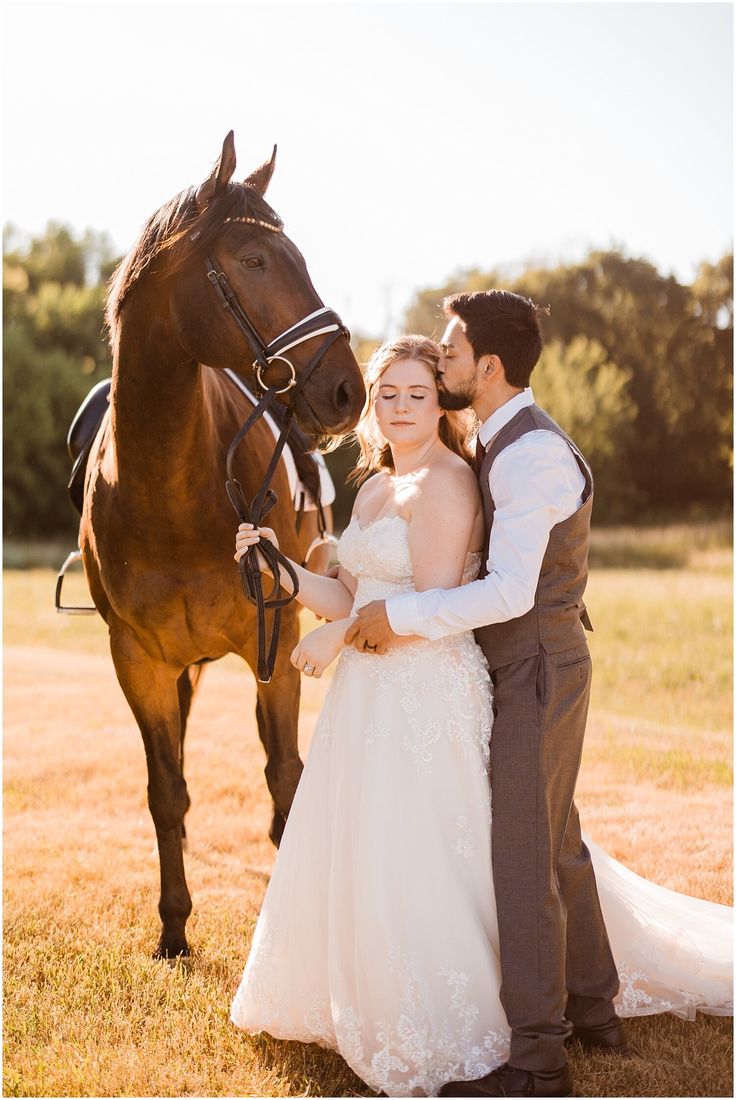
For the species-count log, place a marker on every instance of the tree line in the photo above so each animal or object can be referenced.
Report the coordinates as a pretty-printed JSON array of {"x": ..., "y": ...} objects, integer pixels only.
[
  {"x": 54, "y": 350},
  {"x": 636, "y": 367}
]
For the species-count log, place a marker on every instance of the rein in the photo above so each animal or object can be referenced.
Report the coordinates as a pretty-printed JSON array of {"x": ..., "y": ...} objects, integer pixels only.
[{"x": 323, "y": 322}]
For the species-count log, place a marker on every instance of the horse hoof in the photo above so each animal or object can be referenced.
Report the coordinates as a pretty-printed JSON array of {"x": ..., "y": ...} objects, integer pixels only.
[
  {"x": 278, "y": 824},
  {"x": 172, "y": 952}
]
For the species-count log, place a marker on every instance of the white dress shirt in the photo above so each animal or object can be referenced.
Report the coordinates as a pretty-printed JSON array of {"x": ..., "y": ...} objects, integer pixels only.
[{"x": 535, "y": 484}]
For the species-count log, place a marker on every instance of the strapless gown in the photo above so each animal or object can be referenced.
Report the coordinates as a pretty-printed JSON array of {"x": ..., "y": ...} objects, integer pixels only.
[{"x": 378, "y": 936}]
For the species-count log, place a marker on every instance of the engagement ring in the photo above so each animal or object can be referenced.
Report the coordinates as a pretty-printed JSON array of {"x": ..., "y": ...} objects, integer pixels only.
[{"x": 309, "y": 669}]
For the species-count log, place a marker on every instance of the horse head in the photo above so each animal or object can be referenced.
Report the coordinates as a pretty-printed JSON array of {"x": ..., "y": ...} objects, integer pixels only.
[
  {"x": 235, "y": 283},
  {"x": 243, "y": 238}
]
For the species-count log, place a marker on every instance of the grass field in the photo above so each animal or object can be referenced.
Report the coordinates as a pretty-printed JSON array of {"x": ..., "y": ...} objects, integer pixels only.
[{"x": 87, "y": 1012}]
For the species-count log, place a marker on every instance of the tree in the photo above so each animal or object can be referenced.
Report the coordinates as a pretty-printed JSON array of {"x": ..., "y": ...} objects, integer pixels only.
[
  {"x": 673, "y": 345},
  {"x": 589, "y": 398},
  {"x": 679, "y": 371},
  {"x": 54, "y": 351}
]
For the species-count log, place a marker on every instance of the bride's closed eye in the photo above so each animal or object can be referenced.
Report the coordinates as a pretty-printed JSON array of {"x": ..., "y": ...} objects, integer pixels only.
[{"x": 390, "y": 396}]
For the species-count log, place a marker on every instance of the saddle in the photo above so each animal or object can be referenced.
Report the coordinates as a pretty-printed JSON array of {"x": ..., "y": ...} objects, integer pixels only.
[
  {"x": 88, "y": 420},
  {"x": 81, "y": 436}
]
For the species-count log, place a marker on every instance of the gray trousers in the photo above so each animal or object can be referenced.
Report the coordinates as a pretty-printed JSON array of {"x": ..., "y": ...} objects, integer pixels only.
[{"x": 556, "y": 961}]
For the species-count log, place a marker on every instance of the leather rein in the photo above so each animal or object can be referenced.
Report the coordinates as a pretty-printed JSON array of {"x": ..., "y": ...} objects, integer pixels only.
[{"x": 323, "y": 322}]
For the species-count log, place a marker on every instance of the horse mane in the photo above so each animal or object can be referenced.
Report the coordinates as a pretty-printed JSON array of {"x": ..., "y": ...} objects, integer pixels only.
[{"x": 167, "y": 235}]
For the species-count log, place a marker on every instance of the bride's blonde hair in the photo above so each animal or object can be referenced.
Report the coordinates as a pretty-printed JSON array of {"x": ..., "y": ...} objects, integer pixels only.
[{"x": 455, "y": 428}]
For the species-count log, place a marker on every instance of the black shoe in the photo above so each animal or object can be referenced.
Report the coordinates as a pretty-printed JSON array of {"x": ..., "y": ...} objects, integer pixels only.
[
  {"x": 607, "y": 1038},
  {"x": 509, "y": 1081}
]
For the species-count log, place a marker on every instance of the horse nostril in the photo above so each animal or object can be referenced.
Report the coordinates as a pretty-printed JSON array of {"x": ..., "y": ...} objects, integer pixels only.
[{"x": 343, "y": 399}]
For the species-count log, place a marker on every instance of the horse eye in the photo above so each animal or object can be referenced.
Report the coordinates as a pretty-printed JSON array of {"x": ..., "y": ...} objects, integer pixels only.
[{"x": 252, "y": 261}]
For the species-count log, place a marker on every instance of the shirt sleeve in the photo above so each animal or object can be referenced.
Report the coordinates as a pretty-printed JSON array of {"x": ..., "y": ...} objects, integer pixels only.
[{"x": 535, "y": 484}]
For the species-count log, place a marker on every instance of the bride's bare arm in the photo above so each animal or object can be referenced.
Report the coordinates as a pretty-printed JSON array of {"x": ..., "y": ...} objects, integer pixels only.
[{"x": 444, "y": 515}]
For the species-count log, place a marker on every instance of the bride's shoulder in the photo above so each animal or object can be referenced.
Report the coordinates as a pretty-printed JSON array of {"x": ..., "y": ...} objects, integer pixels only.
[
  {"x": 451, "y": 472},
  {"x": 449, "y": 479},
  {"x": 373, "y": 486}
]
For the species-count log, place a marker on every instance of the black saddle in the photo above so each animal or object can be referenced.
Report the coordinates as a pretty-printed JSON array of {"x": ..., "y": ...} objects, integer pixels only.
[
  {"x": 82, "y": 433},
  {"x": 90, "y": 415}
]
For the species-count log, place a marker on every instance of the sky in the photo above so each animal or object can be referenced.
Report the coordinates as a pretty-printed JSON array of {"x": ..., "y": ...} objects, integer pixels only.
[{"x": 414, "y": 139}]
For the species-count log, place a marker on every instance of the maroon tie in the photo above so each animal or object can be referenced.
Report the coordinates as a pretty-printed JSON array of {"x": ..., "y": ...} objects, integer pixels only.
[{"x": 480, "y": 454}]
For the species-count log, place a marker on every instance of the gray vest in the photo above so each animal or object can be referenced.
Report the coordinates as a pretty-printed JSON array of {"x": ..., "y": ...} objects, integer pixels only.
[{"x": 555, "y": 622}]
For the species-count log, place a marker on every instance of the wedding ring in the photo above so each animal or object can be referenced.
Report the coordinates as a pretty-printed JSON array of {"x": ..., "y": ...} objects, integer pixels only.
[
  {"x": 309, "y": 669},
  {"x": 366, "y": 646}
]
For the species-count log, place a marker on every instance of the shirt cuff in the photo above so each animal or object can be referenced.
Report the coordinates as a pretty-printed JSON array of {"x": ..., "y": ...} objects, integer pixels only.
[{"x": 402, "y": 613}]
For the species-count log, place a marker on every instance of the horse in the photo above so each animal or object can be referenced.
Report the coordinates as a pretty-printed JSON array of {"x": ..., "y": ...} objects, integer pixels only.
[{"x": 157, "y": 528}]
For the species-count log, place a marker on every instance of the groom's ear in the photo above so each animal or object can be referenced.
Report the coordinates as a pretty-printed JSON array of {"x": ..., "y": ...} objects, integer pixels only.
[{"x": 491, "y": 366}]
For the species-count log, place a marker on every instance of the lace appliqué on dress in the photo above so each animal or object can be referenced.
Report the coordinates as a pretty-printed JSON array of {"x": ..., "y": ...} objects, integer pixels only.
[{"x": 419, "y": 1051}]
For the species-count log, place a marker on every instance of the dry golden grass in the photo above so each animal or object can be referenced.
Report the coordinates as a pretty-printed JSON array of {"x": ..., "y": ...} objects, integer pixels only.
[{"x": 87, "y": 1012}]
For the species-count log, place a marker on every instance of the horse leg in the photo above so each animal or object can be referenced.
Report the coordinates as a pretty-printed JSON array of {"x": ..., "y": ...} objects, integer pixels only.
[
  {"x": 186, "y": 685},
  {"x": 278, "y": 820},
  {"x": 151, "y": 688},
  {"x": 277, "y": 714}
]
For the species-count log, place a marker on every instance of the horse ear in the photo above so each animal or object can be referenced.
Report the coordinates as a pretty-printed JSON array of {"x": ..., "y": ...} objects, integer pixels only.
[
  {"x": 260, "y": 179},
  {"x": 221, "y": 173}
]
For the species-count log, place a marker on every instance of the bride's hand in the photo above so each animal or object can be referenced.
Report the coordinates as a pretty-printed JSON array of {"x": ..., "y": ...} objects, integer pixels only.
[
  {"x": 247, "y": 535},
  {"x": 319, "y": 648}
]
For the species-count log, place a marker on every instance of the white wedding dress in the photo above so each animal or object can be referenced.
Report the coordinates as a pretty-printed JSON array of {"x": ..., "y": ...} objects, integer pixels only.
[{"x": 378, "y": 935}]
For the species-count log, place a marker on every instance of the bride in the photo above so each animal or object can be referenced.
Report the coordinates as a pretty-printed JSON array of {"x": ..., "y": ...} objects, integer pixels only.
[{"x": 378, "y": 935}]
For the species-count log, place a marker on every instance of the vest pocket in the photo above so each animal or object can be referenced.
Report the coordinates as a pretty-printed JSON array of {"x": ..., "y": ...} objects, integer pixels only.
[{"x": 570, "y": 658}]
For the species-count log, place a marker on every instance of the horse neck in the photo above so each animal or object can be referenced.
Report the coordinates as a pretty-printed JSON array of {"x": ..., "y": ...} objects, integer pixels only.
[{"x": 159, "y": 420}]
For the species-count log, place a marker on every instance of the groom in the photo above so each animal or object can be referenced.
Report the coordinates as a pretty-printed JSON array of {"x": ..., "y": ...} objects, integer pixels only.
[{"x": 527, "y": 610}]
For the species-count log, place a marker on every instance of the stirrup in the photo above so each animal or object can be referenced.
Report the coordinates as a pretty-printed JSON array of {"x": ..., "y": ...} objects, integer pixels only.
[
  {"x": 75, "y": 556},
  {"x": 320, "y": 540}
]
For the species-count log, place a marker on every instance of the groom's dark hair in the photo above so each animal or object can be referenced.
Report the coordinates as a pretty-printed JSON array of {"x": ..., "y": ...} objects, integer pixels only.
[{"x": 497, "y": 322}]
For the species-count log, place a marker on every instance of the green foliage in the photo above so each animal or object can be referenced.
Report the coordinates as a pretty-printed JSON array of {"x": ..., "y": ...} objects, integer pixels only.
[
  {"x": 588, "y": 394},
  {"x": 637, "y": 368},
  {"x": 54, "y": 351},
  {"x": 59, "y": 257},
  {"x": 669, "y": 348}
]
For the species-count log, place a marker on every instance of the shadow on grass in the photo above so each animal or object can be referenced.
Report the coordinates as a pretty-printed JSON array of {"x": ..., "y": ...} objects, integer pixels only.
[
  {"x": 675, "y": 1058},
  {"x": 310, "y": 1069}
]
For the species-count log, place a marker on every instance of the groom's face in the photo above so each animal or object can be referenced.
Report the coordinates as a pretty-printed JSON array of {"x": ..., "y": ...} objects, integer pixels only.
[{"x": 457, "y": 369}]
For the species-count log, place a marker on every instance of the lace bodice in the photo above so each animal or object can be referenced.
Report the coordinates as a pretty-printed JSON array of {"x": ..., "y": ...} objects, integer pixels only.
[{"x": 378, "y": 556}]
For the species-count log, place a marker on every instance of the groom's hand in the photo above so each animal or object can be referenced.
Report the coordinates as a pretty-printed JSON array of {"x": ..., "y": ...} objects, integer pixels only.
[{"x": 371, "y": 631}]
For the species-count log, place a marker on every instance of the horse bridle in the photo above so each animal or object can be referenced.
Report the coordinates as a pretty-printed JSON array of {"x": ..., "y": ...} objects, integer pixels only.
[{"x": 322, "y": 322}]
